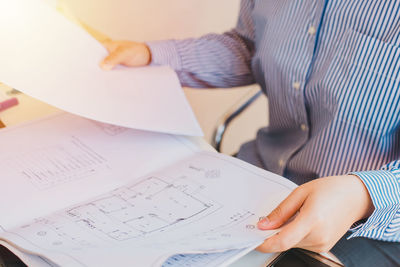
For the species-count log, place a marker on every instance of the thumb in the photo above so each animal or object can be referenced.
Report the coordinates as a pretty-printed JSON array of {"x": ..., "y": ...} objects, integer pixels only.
[{"x": 284, "y": 211}]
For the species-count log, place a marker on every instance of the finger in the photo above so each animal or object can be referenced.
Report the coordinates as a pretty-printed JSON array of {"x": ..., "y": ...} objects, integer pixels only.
[
  {"x": 290, "y": 235},
  {"x": 109, "y": 44},
  {"x": 113, "y": 59},
  {"x": 284, "y": 211},
  {"x": 314, "y": 239}
]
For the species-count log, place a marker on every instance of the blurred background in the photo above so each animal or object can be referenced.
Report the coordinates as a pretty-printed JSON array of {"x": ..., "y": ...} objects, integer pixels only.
[{"x": 142, "y": 20}]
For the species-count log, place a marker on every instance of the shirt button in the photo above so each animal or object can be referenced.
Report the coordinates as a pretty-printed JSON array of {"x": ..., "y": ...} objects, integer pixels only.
[
  {"x": 296, "y": 85},
  {"x": 304, "y": 127},
  {"x": 312, "y": 30},
  {"x": 281, "y": 162}
]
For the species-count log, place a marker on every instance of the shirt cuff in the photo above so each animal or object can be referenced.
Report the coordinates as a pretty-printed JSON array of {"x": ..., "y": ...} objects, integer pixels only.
[
  {"x": 165, "y": 53},
  {"x": 384, "y": 189}
]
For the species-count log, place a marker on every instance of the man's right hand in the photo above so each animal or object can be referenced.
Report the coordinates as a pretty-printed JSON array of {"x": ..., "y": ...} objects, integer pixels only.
[{"x": 127, "y": 53}]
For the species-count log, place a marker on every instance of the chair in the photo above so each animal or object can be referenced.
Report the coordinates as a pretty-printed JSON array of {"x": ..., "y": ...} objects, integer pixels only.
[{"x": 230, "y": 116}]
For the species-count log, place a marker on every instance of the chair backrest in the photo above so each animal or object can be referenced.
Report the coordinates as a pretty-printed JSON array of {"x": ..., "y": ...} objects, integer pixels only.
[{"x": 230, "y": 116}]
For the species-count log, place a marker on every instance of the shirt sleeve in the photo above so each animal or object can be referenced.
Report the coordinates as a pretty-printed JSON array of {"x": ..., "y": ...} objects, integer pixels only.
[
  {"x": 214, "y": 60},
  {"x": 384, "y": 188}
]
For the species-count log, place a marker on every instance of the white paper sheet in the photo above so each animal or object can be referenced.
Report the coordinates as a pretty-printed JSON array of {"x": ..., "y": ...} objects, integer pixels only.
[
  {"x": 193, "y": 260},
  {"x": 205, "y": 203},
  {"x": 64, "y": 159},
  {"x": 49, "y": 58},
  {"x": 208, "y": 259}
]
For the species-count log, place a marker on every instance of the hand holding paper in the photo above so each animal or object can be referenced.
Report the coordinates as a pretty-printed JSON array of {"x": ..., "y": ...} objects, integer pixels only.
[
  {"x": 127, "y": 53},
  {"x": 40, "y": 59}
]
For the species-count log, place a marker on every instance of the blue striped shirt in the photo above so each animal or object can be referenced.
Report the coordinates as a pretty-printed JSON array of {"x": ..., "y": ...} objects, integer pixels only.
[{"x": 330, "y": 70}]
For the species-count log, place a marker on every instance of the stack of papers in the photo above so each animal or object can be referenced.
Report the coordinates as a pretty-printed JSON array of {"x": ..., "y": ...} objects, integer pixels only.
[{"x": 100, "y": 195}]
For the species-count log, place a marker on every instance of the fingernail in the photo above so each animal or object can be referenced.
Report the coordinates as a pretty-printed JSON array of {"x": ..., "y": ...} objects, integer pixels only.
[{"x": 264, "y": 223}]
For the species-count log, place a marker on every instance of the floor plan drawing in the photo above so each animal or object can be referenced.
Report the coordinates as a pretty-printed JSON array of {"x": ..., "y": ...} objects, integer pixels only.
[
  {"x": 120, "y": 215},
  {"x": 152, "y": 205}
]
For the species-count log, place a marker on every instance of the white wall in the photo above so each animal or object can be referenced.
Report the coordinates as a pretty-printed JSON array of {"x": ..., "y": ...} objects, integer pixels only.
[
  {"x": 156, "y": 19},
  {"x": 142, "y": 20}
]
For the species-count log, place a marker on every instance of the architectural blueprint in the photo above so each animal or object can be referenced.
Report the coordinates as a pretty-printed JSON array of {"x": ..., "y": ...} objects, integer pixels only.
[
  {"x": 200, "y": 204},
  {"x": 99, "y": 195},
  {"x": 148, "y": 207}
]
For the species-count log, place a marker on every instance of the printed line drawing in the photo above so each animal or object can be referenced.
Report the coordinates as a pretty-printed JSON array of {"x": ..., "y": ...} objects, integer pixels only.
[
  {"x": 66, "y": 163},
  {"x": 152, "y": 205},
  {"x": 120, "y": 215}
]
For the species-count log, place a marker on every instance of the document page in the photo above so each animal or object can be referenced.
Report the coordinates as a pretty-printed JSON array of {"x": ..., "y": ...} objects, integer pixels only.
[
  {"x": 207, "y": 259},
  {"x": 205, "y": 203},
  {"x": 49, "y": 58},
  {"x": 219, "y": 259},
  {"x": 193, "y": 260},
  {"x": 55, "y": 162}
]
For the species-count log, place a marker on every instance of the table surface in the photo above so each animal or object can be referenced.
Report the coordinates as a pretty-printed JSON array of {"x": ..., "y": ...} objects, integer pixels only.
[{"x": 31, "y": 109}]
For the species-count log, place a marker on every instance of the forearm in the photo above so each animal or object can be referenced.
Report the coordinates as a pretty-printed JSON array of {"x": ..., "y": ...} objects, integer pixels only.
[
  {"x": 214, "y": 60},
  {"x": 210, "y": 61}
]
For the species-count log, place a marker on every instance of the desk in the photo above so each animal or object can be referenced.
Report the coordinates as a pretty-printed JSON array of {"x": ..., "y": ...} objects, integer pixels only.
[{"x": 30, "y": 109}]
